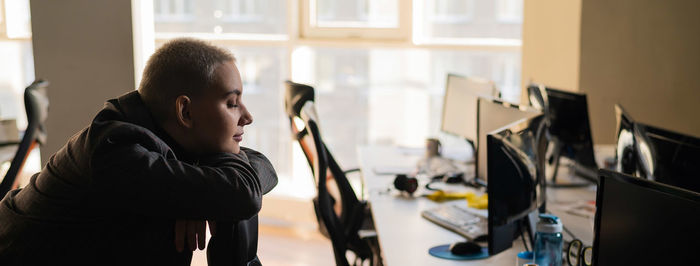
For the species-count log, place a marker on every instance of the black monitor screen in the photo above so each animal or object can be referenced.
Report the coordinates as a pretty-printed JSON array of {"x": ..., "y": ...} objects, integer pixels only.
[
  {"x": 516, "y": 181},
  {"x": 567, "y": 115},
  {"x": 657, "y": 154},
  {"x": 669, "y": 157},
  {"x": 641, "y": 222}
]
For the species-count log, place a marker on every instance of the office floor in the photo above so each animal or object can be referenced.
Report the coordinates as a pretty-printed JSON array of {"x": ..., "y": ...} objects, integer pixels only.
[{"x": 282, "y": 245}]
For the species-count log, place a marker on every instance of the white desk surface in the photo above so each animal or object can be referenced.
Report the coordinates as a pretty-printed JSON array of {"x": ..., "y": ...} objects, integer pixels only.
[{"x": 405, "y": 237}]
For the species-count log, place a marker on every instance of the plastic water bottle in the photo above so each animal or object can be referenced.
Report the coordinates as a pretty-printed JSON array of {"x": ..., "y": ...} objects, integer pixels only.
[{"x": 548, "y": 241}]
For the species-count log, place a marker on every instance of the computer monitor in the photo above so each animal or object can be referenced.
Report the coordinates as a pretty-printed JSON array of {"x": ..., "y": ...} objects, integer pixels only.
[
  {"x": 493, "y": 114},
  {"x": 568, "y": 128},
  {"x": 460, "y": 105},
  {"x": 516, "y": 184},
  {"x": 641, "y": 222},
  {"x": 657, "y": 154}
]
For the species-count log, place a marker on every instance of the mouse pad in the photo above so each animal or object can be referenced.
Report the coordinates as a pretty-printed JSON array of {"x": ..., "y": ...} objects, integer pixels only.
[{"x": 443, "y": 251}]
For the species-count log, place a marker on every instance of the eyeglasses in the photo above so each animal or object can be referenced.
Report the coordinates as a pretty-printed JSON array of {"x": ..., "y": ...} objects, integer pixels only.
[{"x": 579, "y": 255}]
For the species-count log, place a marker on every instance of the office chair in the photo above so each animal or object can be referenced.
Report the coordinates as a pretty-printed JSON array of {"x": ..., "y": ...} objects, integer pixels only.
[
  {"x": 340, "y": 215},
  {"x": 36, "y": 103}
]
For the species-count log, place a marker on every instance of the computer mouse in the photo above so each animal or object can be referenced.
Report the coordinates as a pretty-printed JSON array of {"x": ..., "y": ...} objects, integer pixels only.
[
  {"x": 481, "y": 238},
  {"x": 465, "y": 248}
]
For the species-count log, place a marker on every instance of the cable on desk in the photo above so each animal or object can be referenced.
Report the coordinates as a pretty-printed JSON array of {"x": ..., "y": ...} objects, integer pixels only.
[
  {"x": 522, "y": 225},
  {"x": 522, "y": 236}
]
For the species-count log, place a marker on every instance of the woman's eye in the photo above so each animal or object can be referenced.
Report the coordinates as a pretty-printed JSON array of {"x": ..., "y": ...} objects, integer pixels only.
[{"x": 231, "y": 105}]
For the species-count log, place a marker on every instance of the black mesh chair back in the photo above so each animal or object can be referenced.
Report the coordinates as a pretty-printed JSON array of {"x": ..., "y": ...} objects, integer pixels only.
[{"x": 340, "y": 214}]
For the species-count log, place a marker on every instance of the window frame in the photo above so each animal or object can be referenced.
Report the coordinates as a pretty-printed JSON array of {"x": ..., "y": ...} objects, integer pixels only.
[
  {"x": 420, "y": 40},
  {"x": 448, "y": 18},
  {"x": 507, "y": 20},
  {"x": 242, "y": 17}
]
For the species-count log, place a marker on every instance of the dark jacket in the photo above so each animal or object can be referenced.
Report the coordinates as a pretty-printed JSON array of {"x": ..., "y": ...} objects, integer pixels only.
[{"x": 111, "y": 196}]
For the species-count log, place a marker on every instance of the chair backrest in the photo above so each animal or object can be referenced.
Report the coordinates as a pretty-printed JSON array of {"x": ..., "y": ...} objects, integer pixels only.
[
  {"x": 338, "y": 209},
  {"x": 36, "y": 103},
  {"x": 296, "y": 95}
]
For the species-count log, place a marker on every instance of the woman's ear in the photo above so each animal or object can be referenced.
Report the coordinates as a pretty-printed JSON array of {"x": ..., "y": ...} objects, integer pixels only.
[{"x": 183, "y": 107}]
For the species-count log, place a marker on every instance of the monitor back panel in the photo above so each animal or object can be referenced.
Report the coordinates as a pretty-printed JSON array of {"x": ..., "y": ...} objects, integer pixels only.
[
  {"x": 459, "y": 106},
  {"x": 641, "y": 222},
  {"x": 493, "y": 115}
]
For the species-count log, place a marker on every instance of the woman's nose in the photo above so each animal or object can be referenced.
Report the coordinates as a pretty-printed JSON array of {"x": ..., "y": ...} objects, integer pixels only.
[{"x": 246, "y": 118}]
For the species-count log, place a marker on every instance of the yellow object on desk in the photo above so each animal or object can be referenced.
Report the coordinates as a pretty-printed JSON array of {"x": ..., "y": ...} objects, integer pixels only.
[
  {"x": 474, "y": 201},
  {"x": 478, "y": 202}
]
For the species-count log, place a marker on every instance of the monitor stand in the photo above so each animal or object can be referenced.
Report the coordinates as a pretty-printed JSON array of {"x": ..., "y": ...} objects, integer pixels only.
[
  {"x": 475, "y": 182},
  {"x": 529, "y": 225}
]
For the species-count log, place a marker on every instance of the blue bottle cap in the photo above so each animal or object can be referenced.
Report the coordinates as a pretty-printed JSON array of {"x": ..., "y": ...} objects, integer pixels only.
[{"x": 549, "y": 224}]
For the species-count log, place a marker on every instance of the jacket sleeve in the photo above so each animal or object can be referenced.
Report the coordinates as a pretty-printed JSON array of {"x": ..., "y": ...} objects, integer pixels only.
[
  {"x": 263, "y": 167},
  {"x": 138, "y": 180}
]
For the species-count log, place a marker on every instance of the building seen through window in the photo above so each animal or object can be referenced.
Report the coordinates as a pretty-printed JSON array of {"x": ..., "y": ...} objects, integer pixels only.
[
  {"x": 220, "y": 16},
  {"x": 500, "y": 19},
  {"x": 362, "y": 13}
]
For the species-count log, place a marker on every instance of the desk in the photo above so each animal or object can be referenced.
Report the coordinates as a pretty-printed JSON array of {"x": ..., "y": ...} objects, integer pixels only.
[{"x": 405, "y": 236}]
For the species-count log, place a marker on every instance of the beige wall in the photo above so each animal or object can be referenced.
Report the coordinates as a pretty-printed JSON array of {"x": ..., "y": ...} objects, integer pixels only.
[
  {"x": 644, "y": 54},
  {"x": 85, "y": 49},
  {"x": 550, "y": 52}
]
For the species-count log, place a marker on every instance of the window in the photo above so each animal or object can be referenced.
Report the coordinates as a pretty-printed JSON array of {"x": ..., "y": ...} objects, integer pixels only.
[
  {"x": 221, "y": 19},
  {"x": 16, "y": 71},
  {"x": 355, "y": 14},
  {"x": 468, "y": 22},
  {"x": 510, "y": 11},
  {"x": 172, "y": 11},
  {"x": 17, "y": 64},
  {"x": 378, "y": 66},
  {"x": 368, "y": 19},
  {"x": 240, "y": 11},
  {"x": 451, "y": 11},
  {"x": 15, "y": 20}
]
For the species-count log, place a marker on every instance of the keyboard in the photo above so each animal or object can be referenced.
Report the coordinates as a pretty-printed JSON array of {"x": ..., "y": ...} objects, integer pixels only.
[{"x": 457, "y": 219}]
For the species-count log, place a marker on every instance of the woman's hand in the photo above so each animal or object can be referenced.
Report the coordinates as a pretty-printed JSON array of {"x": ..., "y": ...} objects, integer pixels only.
[{"x": 192, "y": 232}]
